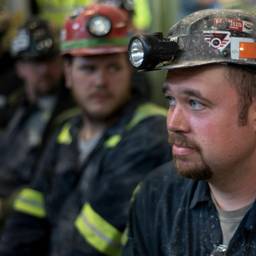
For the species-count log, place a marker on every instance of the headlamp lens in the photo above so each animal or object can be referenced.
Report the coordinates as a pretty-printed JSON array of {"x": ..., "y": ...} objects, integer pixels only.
[
  {"x": 136, "y": 52},
  {"x": 99, "y": 26}
]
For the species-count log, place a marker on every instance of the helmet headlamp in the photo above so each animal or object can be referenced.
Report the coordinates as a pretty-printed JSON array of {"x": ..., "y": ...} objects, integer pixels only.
[
  {"x": 99, "y": 26},
  {"x": 98, "y": 29},
  {"x": 201, "y": 38},
  {"x": 147, "y": 51}
]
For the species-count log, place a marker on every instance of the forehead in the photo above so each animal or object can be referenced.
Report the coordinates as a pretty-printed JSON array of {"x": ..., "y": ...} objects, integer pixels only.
[
  {"x": 39, "y": 61},
  {"x": 100, "y": 59},
  {"x": 198, "y": 78}
]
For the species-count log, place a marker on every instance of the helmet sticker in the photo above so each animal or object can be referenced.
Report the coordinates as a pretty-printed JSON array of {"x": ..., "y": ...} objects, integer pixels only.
[
  {"x": 243, "y": 48},
  {"x": 76, "y": 26},
  {"x": 44, "y": 45},
  {"x": 21, "y": 42},
  {"x": 77, "y": 11},
  {"x": 217, "y": 39},
  {"x": 234, "y": 24}
]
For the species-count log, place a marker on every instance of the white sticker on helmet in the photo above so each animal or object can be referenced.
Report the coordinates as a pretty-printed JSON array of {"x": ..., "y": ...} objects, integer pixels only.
[
  {"x": 242, "y": 48},
  {"x": 21, "y": 42}
]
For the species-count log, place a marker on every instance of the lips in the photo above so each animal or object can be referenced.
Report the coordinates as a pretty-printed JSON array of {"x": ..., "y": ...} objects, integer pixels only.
[
  {"x": 178, "y": 150},
  {"x": 181, "y": 145},
  {"x": 99, "y": 96}
]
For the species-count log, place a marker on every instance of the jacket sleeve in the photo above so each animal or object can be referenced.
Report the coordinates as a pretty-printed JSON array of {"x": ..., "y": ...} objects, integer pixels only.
[
  {"x": 135, "y": 244},
  {"x": 24, "y": 235},
  {"x": 140, "y": 150},
  {"x": 145, "y": 229},
  {"x": 26, "y": 231}
]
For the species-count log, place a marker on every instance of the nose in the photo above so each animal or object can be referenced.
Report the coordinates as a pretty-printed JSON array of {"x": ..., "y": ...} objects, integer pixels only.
[
  {"x": 177, "y": 120},
  {"x": 101, "y": 79},
  {"x": 42, "y": 68}
]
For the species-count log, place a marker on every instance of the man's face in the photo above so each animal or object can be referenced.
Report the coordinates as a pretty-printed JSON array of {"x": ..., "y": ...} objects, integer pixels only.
[
  {"x": 100, "y": 84},
  {"x": 41, "y": 77},
  {"x": 207, "y": 140}
]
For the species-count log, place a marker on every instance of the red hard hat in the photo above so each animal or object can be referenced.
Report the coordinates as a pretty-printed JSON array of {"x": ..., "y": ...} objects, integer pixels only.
[{"x": 96, "y": 29}]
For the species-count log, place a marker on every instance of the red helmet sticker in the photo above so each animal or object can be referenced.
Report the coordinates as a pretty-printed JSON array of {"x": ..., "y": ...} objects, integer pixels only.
[{"x": 234, "y": 24}]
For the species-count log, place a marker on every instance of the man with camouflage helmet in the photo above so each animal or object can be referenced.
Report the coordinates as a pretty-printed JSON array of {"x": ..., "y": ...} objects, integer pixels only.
[
  {"x": 78, "y": 203},
  {"x": 204, "y": 202}
]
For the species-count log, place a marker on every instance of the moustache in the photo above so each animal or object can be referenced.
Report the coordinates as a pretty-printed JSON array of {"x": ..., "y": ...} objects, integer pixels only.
[
  {"x": 181, "y": 140},
  {"x": 100, "y": 92}
]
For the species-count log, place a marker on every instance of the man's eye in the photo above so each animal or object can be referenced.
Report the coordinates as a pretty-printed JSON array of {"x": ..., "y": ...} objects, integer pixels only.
[
  {"x": 196, "y": 105},
  {"x": 171, "y": 101},
  {"x": 88, "y": 69}
]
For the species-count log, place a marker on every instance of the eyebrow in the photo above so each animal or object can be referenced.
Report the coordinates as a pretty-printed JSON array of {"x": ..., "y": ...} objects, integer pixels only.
[
  {"x": 194, "y": 93},
  {"x": 187, "y": 92}
]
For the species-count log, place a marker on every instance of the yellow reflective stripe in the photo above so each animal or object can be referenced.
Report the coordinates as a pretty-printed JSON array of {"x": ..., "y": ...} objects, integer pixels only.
[
  {"x": 100, "y": 234},
  {"x": 31, "y": 202},
  {"x": 113, "y": 141},
  {"x": 124, "y": 238},
  {"x": 135, "y": 192},
  {"x": 67, "y": 114},
  {"x": 64, "y": 136},
  {"x": 145, "y": 111},
  {"x": 142, "y": 18}
]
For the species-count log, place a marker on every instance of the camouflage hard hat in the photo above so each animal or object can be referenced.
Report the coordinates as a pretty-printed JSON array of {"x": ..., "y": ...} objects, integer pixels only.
[
  {"x": 35, "y": 39},
  {"x": 204, "y": 37}
]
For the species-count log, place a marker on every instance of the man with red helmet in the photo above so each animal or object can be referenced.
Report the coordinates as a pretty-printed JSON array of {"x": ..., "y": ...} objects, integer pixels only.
[{"x": 78, "y": 203}]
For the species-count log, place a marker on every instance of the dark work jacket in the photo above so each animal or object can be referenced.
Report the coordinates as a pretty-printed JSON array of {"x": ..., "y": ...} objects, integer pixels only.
[
  {"x": 72, "y": 210},
  {"x": 16, "y": 167},
  {"x": 10, "y": 86},
  {"x": 175, "y": 216}
]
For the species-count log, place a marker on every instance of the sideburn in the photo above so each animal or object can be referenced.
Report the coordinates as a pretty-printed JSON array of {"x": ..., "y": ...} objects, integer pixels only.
[{"x": 244, "y": 81}]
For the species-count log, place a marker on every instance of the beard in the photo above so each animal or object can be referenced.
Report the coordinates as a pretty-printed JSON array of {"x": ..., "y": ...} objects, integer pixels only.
[{"x": 193, "y": 166}]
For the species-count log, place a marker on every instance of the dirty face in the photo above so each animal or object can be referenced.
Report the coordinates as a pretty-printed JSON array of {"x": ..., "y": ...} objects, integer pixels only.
[
  {"x": 100, "y": 84},
  {"x": 203, "y": 126}
]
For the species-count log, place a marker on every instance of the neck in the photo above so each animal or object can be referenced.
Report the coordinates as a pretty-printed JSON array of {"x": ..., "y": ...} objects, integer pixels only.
[
  {"x": 234, "y": 191},
  {"x": 32, "y": 97},
  {"x": 91, "y": 129}
]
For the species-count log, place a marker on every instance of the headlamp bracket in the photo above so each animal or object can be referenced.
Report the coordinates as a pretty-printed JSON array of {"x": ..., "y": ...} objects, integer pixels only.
[{"x": 153, "y": 50}]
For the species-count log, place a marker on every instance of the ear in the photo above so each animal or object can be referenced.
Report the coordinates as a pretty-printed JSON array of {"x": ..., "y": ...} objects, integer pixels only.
[
  {"x": 67, "y": 73},
  {"x": 252, "y": 113}
]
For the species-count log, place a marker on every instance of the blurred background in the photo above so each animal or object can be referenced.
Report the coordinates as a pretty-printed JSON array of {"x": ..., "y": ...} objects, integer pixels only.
[{"x": 148, "y": 16}]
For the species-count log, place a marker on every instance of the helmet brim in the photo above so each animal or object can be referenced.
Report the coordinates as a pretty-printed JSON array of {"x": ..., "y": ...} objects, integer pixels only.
[{"x": 95, "y": 51}]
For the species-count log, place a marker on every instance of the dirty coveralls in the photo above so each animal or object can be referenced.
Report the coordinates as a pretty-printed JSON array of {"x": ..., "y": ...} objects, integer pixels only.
[{"x": 175, "y": 216}]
